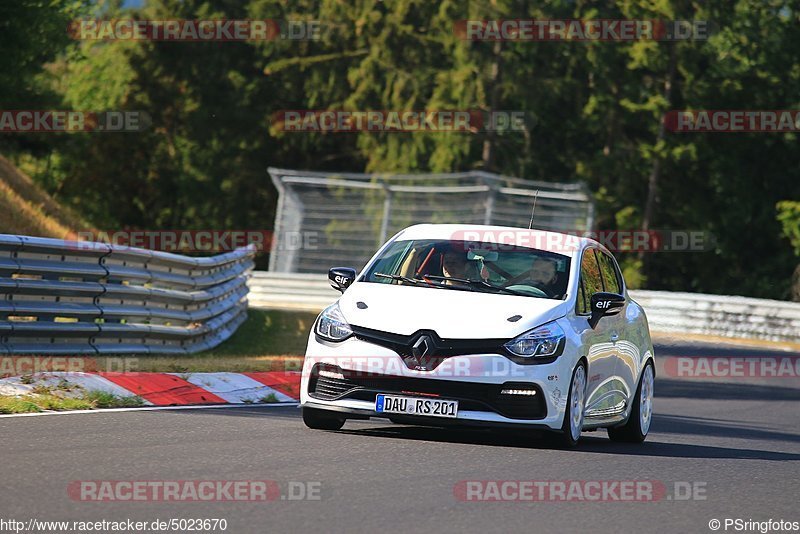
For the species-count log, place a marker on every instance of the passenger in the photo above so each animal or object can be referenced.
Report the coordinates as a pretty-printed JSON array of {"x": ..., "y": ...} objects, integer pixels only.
[{"x": 454, "y": 265}]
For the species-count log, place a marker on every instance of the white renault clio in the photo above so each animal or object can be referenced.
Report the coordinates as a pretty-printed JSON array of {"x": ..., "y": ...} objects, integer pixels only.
[{"x": 483, "y": 325}]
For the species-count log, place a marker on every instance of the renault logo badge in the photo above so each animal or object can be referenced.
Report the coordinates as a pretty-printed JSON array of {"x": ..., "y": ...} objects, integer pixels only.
[{"x": 422, "y": 346}]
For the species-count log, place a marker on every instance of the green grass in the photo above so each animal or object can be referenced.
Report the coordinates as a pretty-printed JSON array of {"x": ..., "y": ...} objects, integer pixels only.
[
  {"x": 53, "y": 402},
  {"x": 267, "y": 341},
  {"x": 269, "y": 332},
  {"x": 18, "y": 405},
  {"x": 88, "y": 400},
  {"x": 268, "y": 399},
  {"x": 103, "y": 399}
]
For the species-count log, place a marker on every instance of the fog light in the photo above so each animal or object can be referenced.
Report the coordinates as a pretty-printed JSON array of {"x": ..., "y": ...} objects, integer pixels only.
[
  {"x": 331, "y": 374},
  {"x": 529, "y": 392}
]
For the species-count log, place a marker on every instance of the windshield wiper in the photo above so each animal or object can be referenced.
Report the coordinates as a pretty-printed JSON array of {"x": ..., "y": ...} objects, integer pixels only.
[
  {"x": 479, "y": 283},
  {"x": 402, "y": 278}
]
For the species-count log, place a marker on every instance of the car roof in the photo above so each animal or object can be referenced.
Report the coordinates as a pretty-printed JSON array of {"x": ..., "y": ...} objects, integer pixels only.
[{"x": 561, "y": 243}]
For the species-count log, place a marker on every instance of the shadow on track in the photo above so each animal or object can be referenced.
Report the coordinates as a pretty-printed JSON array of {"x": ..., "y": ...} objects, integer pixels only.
[
  {"x": 592, "y": 442},
  {"x": 588, "y": 443},
  {"x": 290, "y": 411},
  {"x": 721, "y": 428},
  {"x": 688, "y": 389}
]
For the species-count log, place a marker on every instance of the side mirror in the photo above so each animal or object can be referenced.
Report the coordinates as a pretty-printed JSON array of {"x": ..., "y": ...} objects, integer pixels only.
[
  {"x": 341, "y": 277},
  {"x": 603, "y": 304}
]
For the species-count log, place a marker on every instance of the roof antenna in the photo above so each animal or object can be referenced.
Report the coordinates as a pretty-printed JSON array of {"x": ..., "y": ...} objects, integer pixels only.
[{"x": 533, "y": 209}]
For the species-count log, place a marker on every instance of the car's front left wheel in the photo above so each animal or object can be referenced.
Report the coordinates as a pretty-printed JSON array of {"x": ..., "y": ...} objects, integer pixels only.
[
  {"x": 573, "y": 415},
  {"x": 321, "y": 419}
]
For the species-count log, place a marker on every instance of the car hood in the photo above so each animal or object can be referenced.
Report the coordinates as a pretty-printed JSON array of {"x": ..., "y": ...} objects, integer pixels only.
[{"x": 453, "y": 314}]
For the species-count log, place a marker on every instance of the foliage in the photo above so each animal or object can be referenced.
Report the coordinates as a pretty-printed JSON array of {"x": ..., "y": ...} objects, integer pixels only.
[
  {"x": 598, "y": 109},
  {"x": 789, "y": 217}
]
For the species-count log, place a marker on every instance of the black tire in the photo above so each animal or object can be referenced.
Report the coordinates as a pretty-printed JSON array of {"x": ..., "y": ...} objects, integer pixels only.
[
  {"x": 632, "y": 431},
  {"x": 321, "y": 419},
  {"x": 564, "y": 438}
]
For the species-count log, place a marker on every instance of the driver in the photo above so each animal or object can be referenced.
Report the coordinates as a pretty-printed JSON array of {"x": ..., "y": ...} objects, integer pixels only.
[{"x": 543, "y": 274}]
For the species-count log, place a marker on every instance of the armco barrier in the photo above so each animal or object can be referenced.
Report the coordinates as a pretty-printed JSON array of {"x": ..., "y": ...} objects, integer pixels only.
[
  {"x": 286, "y": 291},
  {"x": 721, "y": 315},
  {"x": 64, "y": 297},
  {"x": 688, "y": 313}
]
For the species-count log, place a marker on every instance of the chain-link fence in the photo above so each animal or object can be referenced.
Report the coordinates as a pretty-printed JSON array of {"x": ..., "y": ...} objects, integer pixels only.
[{"x": 326, "y": 219}]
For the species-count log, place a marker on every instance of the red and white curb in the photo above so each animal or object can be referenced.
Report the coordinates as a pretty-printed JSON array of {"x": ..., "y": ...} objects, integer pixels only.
[{"x": 170, "y": 389}]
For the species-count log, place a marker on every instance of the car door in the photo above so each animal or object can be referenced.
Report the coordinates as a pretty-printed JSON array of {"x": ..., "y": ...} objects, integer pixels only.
[
  {"x": 623, "y": 328},
  {"x": 596, "y": 342}
]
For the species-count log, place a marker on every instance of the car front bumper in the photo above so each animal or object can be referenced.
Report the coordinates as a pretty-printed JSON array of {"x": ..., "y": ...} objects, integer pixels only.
[{"x": 475, "y": 380}]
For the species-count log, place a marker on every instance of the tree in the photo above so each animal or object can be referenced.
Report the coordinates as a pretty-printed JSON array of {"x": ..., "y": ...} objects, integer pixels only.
[{"x": 789, "y": 217}]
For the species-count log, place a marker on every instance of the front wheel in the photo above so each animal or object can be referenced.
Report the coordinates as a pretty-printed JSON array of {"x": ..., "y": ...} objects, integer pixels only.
[
  {"x": 638, "y": 425},
  {"x": 573, "y": 416},
  {"x": 321, "y": 419}
]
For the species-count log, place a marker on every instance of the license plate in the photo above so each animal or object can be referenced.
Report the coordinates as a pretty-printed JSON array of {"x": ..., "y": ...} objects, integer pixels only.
[{"x": 416, "y": 406}]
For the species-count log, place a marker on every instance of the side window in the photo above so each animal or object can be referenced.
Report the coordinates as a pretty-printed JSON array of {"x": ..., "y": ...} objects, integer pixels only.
[
  {"x": 611, "y": 281},
  {"x": 392, "y": 260},
  {"x": 591, "y": 281}
]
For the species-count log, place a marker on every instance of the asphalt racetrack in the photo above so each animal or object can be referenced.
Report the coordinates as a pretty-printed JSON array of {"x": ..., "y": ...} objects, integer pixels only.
[{"x": 725, "y": 448}]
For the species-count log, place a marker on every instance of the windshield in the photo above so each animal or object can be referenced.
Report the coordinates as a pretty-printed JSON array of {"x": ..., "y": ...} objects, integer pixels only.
[{"x": 472, "y": 266}]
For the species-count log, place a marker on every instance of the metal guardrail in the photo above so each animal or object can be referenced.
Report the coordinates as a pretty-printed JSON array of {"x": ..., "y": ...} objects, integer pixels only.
[
  {"x": 66, "y": 297},
  {"x": 721, "y": 315},
  {"x": 688, "y": 313},
  {"x": 290, "y": 291}
]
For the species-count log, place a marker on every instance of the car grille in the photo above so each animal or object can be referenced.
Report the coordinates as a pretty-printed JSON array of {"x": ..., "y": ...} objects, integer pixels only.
[
  {"x": 330, "y": 388},
  {"x": 473, "y": 396},
  {"x": 402, "y": 344},
  {"x": 435, "y": 351}
]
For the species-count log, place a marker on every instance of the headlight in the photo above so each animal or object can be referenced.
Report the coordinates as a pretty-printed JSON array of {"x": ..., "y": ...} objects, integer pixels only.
[
  {"x": 331, "y": 324},
  {"x": 541, "y": 342}
]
